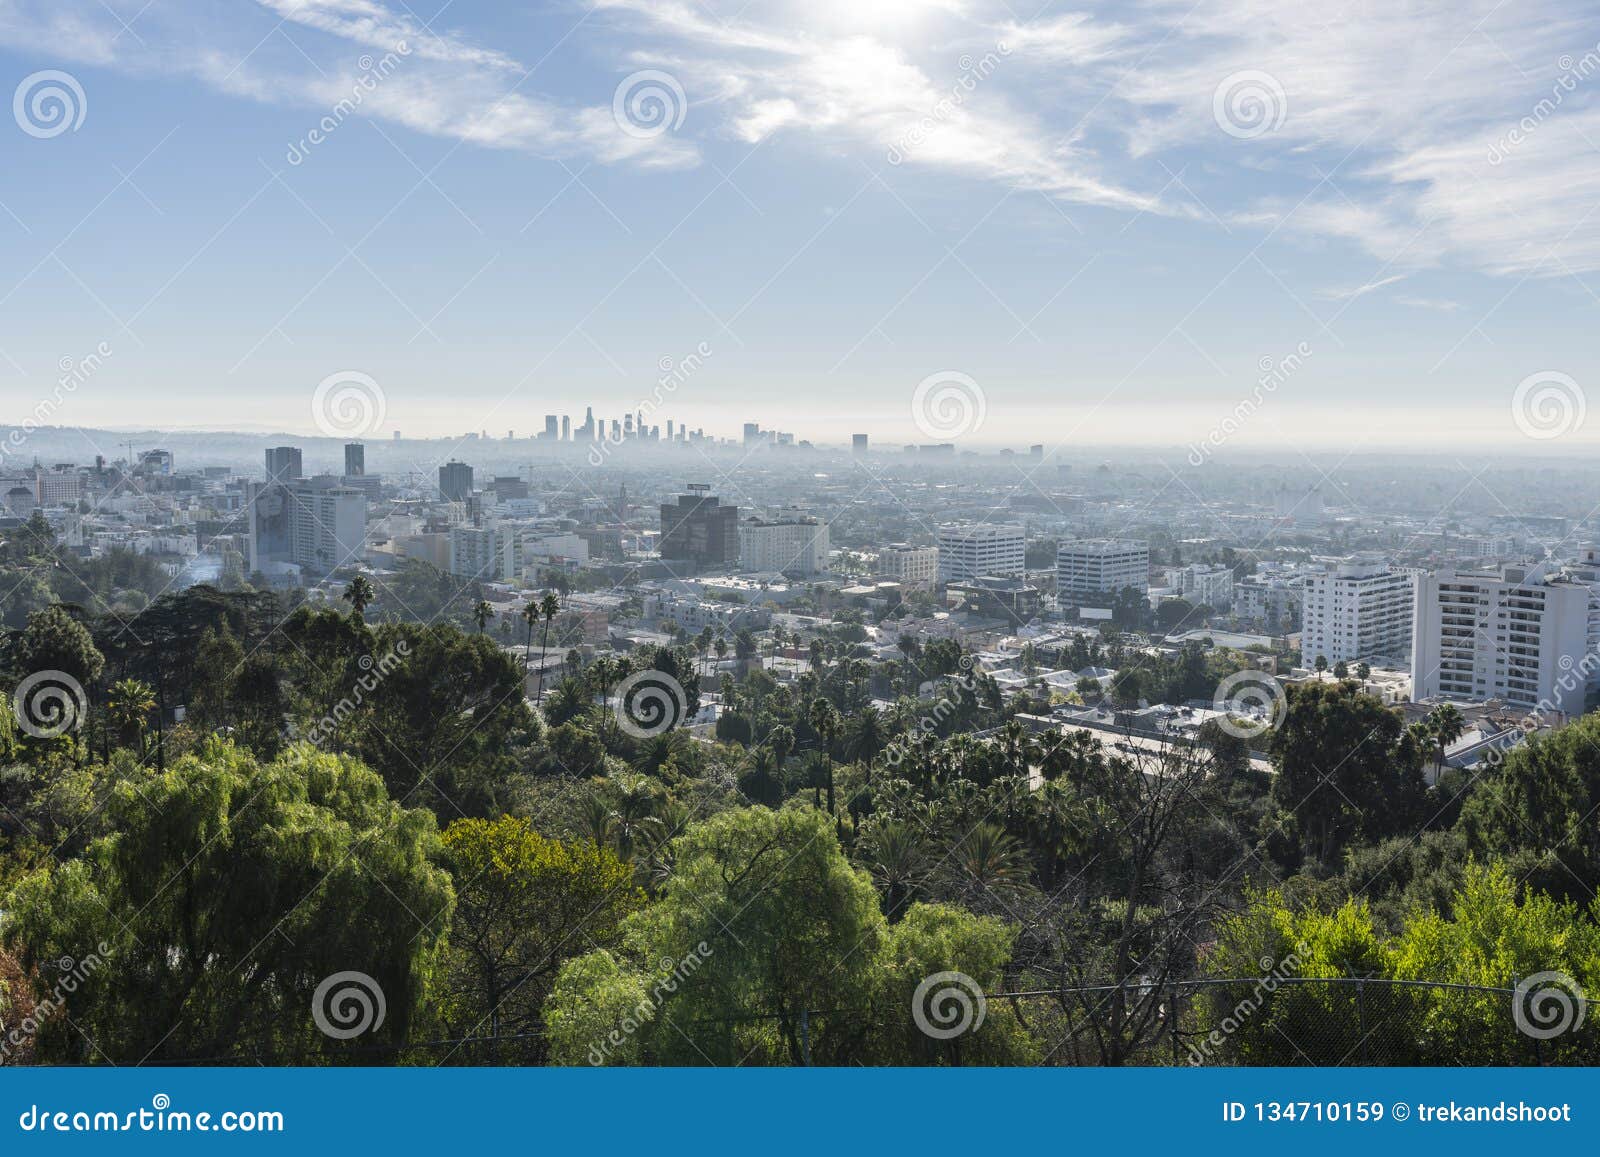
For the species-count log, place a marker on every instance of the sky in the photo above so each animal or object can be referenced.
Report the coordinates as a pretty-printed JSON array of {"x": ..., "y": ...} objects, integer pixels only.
[{"x": 1236, "y": 223}]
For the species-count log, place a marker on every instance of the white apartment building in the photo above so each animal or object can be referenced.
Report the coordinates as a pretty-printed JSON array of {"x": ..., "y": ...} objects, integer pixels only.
[
  {"x": 912, "y": 566},
  {"x": 792, "y": 545},
  {"x": 973, "y": 550},
  {"x": 1519, "y": 634},
  {"x": 1271, "y": 600},
  {"x": 1203, "y": 585},
  {"x": 1359, "y": 609},
  {"x": 1092, "y": 568},
  {"x": 485, "y": 553}
]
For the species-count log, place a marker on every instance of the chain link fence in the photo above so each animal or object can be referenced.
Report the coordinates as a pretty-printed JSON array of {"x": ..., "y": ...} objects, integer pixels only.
[{"x": 1293, "y": 1021}]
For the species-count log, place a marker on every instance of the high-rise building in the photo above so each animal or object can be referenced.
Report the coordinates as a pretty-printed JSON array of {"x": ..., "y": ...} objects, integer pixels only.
[
  {"x": 858, "y": 443},
  {"x": 699, "y": 528},
  {"x": 327, "y": 526},
  {"x": 455, "y": 481},
  {"x": 355, "y": 460},
  {"x": 552, "y": 426},
  {"x": 1202, "y": 585},
  {"x": 283, "y": 464},
  {"x": 797, "y": 544},
  {"x": 975, "y": 550},
  {"x": 566, "y": 428},
  {"x": 1359, "y": 609},
  {"x": 1518, "y": 634},
  {"x": 1094, "y": 568}
]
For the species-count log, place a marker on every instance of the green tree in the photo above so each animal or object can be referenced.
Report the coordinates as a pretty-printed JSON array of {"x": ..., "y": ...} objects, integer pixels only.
[
  {"x": 358, "y": 592},
  {"x": 228, "y": 891},
  {"x": 524, "y": 904}
]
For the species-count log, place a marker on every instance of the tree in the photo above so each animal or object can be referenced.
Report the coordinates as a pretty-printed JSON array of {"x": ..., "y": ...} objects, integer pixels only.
[
  {"x": 358, "y": 592},
  {"x": 761, "y": 928},
  {"x": 524, "y": 904},
  {"x": 549, "y": 607},
  {"x": 218, "y": 662},
  {"x": 55, "y": 641},
  {"x": 1341, "y": 670},
  {"x": 1321, "y": 665},
  {"x": 1346, "y": 769},
  {"x": 228, "y": 891},
  {"x": 824, "y": 721},
  {"x": 129, "y": 707},
  {"x": 482, "y": 612}
]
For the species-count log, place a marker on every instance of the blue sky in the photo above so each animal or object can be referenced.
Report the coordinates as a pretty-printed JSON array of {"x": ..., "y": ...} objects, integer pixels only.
[{"x": 1107, "y": 218}]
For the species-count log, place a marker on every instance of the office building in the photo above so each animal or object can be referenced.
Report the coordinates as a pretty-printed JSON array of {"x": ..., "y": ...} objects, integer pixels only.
[
  {"x": 283, "y": 464},
  {"x": 455, "y": 481},
  {"x": 355, "y": 460},
  {"x": 976, "y": 550},
  {"x": 698, "y": 528},
  {"x": 1358, "y": 609},
  {"x": 858, "y": 443},
  {"x": 911, "y": 566},
  {"x": 1095, "y": 568}
]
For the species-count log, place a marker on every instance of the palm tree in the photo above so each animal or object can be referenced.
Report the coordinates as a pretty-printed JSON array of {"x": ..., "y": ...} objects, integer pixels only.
[
  {"x": 530, "y": 615},
  {"x": 1448, "y": 726},
  {"x": 549, "y": 606},
  {"x": 482, "y": 613},
  {"x": 1363, "y": 671},
  {"x": 1321, "y": 665},
  {"x": 988, "y": 860},
  {"x": 129, "y": 705},
  {"x": 865, "y": 737},
  {"x": 358, "y": 593},
  {"x": 825, "y": 722},
  {"x": 896, "y": 855}
]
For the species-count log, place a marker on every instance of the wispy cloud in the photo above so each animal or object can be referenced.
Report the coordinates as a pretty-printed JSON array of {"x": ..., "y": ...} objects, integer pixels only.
[{"x": 1360, "y": 290}]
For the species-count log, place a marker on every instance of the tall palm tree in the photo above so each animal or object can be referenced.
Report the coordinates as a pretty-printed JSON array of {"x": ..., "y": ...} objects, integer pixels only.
[
  {"x": 530, "y": 615},
  {"x": 825, "y": 722},
  {"x": 358, "y": 593},
  {"x": 549, "y": 607},
  {"x": 482, "y": 613},
  {"x": 896, "y": 855}
]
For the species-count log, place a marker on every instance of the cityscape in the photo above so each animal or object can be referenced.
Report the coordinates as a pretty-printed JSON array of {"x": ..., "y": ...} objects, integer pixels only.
[{"x": 909, "y": 535}]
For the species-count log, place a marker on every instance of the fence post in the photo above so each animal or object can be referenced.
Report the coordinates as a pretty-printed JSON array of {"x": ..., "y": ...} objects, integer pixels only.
[
  {"x": 1172, "y": 1021},
  {"x": 805, "y": 1037},
  {"x": 1361, "y": 1017}
]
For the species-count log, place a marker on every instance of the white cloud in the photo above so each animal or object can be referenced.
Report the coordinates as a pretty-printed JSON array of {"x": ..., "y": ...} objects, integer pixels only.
[{"x": 1360, "y": 290}]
